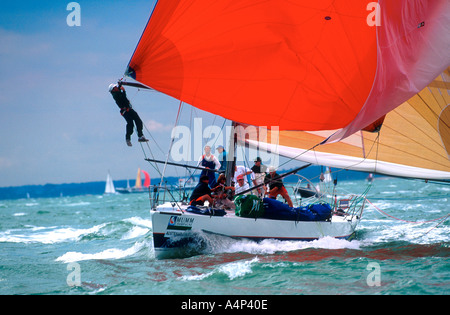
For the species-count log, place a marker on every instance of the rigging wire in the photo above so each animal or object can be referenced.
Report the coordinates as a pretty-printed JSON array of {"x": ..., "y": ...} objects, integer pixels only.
[
  {"x": 171, "y": 142},
  {"x": 443, "y": 220},
  {"x": 154, "y": 165},
  {"x": 290, "y": 159},
  {"x": 154, "y": 140}
]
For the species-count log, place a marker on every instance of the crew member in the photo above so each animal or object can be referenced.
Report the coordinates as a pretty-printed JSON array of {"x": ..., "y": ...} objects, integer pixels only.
[
  {"x": 209, "y": 162},
  {"x": 201, "y": 193},
  {"x": 276, "y": 186},
  {"x": 260, "y": 173},
  {"x": 131, "y": 116}
]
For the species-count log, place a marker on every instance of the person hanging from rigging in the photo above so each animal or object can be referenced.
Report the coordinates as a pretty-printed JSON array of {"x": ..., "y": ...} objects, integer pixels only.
[{"x": 129, "y": 114}]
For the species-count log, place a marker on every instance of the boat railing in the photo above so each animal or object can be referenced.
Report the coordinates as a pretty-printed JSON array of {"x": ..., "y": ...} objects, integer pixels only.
[
  {"x": 160, "y": 194},
  {"x": 349, "y": 206},
  {"x": 352, "y": 206}
]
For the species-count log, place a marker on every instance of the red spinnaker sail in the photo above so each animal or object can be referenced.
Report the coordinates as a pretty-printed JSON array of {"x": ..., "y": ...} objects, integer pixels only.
[
  {"x": 298, "y": 65},
  {"x": 147, "y": 179}
]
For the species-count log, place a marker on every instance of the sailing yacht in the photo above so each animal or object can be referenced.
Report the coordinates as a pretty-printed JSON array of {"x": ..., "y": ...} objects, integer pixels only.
[
  {"x": 138, "y": 187},
  {"x": 109, "y": 187},
  {"x": 330, "y": 86}
]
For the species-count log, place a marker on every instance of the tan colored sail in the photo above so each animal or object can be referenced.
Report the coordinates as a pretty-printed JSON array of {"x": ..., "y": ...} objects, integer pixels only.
[{"x": 138, "y": 179}]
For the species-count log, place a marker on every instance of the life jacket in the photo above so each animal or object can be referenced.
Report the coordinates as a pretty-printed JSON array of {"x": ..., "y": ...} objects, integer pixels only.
[{"x": 209, "y": 164}]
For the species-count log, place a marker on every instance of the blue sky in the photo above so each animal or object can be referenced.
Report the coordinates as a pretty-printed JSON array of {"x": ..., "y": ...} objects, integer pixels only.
[{"x": 58, "y": 122}]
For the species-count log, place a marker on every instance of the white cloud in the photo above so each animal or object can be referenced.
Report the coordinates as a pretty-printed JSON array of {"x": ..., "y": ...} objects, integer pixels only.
[{"x": 156, "y": 126}]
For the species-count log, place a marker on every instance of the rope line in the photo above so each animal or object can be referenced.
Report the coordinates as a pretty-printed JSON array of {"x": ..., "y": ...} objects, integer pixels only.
[{"x": 413, "y": 222}]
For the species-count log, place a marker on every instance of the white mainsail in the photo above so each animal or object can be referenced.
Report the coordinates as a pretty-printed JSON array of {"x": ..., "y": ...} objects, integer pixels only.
[{"x": 109, "y": 187}]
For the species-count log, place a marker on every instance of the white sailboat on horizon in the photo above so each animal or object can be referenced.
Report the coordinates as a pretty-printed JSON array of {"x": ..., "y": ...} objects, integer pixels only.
[{"x": 109, "y": 187}]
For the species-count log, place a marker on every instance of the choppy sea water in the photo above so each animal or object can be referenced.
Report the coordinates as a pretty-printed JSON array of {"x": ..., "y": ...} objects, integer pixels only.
[{"x": 103, "y": 245}]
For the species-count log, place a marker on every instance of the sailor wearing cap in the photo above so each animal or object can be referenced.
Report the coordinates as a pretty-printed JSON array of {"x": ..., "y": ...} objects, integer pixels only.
[
  {"x": 260, "y": 173},
  {"x": 241, "y": 185}
]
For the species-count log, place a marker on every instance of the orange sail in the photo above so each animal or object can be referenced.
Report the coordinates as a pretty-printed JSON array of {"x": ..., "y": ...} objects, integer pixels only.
[
  {"x": 138, "y": 183},
  {"x": 325, "y": 71},
  {"x": 297, "y": 65}
]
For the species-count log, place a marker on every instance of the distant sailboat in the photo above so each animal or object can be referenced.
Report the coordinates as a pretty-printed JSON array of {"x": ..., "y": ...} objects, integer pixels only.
[
  {"x": 326, "y": 177},
  {"x": 109, "y": 187},
  {"x": 138, "y": 187}
]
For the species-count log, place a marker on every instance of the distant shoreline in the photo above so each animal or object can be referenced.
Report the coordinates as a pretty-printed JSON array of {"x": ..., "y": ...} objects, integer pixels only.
[{"x": 98, "y": 187}]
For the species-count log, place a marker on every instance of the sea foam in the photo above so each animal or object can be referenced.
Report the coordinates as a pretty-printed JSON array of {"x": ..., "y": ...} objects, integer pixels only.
[
  {"x": 46, "y": 235},
  {"x": 269, "y": 246},
  {"x": 111, "y": 253},
  {"x": 232, "y": 270}
]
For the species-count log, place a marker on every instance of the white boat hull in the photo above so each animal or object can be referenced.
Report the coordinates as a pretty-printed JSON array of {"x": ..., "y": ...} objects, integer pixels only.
[{"x": 173, "y": 228}]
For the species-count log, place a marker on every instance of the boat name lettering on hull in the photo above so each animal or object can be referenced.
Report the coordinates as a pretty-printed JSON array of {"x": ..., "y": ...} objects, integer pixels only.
[{"x": 180, "y": 223}]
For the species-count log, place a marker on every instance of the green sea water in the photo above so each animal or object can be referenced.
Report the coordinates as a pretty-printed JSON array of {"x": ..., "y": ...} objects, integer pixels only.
[{"x": 103, "y": 245}]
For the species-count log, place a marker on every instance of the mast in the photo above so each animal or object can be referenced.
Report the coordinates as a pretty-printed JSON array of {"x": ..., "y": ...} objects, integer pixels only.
[{"x": 231, "y": 162}]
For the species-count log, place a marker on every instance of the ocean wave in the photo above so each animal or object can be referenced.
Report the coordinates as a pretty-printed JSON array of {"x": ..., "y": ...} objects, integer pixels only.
[
  {"x": 77, "y": 204},
  {"x": 273, "y": 246},
  {"x": 238, "y": 269},
  {"x": 111, "y": 253},
  {"x": 139, "y": 222},
  {"x": 231, "y": 270},
  {"x": 204, "y": 243},
  {"x": 46, "y": 235},
  {"x": 423, "y": 233},
  {"x": 135, "y": 232},
  {"x": 138, "y": 227},
  {"x": 125, "y": 229}
]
